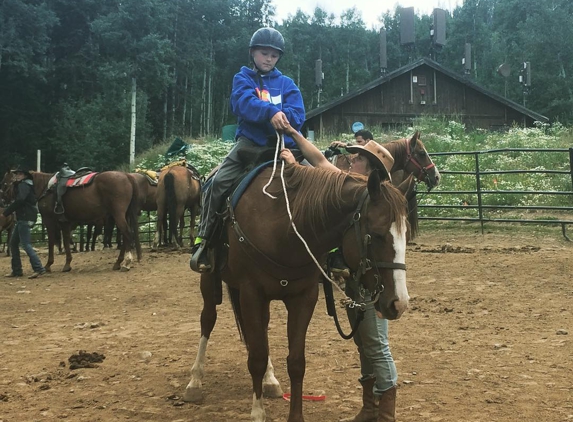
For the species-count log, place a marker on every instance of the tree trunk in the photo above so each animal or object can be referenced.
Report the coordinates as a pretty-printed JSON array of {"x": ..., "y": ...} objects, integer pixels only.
[{"x": 133, "y": 119}]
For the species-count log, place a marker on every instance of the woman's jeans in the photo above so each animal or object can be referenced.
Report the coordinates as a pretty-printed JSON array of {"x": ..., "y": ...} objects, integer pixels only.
[
  {"x": 373, "y": 347},
  {"x": 21, "y": 235}
]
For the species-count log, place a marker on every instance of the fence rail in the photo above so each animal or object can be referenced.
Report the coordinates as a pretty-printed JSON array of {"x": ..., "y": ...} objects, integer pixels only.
[
  {"x": 487, "y": 199},
  {"x": 484, "y": 200}
]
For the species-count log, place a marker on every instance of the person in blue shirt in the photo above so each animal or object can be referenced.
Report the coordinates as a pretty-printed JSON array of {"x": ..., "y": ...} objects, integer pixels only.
[{"x": 265, "y": 101}]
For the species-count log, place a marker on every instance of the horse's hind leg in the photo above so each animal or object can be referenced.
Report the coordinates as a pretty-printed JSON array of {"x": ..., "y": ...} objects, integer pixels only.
[
  {"x": 67, "y": 238},
  {"x": 125, "y": 250},
  {"x": 271, "y": 386},
  {"x": 194, "y": 390},
  {"x": 255, "y": 315}
]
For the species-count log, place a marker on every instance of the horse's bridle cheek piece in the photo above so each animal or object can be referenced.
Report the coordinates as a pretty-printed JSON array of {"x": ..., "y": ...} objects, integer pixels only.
[
  {"x": 363, "y": 243},
  {"x": 422, "y": 172}
]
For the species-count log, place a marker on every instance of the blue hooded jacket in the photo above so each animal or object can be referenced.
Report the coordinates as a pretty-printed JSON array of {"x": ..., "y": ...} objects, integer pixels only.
[{"x": 256, "y": 98}]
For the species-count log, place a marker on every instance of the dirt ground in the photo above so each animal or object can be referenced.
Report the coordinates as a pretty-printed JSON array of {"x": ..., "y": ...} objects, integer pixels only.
[{"x": 487, "y": 338}]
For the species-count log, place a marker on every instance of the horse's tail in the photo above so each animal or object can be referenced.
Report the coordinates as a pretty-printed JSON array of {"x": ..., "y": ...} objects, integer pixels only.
[
  {"x": 132, "y": 215},
  {"x": 171, "y": 198},
  {"x": 236, "y": 304}
]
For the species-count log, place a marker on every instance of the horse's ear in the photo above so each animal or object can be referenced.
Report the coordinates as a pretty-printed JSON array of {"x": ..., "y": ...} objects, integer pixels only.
[
  {"x": 414, "y": 139},
  {"x": 374, "y": 181}
]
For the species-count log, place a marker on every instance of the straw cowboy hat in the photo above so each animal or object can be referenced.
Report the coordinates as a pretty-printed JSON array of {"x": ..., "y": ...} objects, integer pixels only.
[{"x": 378, "y": 156}]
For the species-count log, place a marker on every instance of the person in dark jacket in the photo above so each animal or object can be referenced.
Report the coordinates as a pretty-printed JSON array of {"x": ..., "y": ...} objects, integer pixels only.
[
  {"x": 26, "y": 210},
  {"x": 265, "y": 101}
]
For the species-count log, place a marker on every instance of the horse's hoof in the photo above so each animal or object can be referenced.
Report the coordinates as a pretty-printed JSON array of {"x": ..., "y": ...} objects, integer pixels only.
[
  {"x": 193, "y": 395},
  {"x": 124, "y": 269},
  {"x": 65, "y": 270},
  {"x": 116, "y": 267},
  {"x": 272, "y": 391}
]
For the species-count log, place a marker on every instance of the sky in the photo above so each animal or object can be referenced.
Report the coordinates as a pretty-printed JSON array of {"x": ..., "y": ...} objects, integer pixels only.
[{"x": 371, "y": 9}]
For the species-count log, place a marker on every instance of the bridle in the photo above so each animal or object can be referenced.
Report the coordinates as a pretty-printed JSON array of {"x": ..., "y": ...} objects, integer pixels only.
[
  {"x": 421, "y": 172},
  {"x": 363, "y": 242}
]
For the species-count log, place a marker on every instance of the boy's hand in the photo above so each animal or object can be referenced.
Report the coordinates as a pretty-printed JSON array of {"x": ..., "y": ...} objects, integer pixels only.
[{"x": 280, "y": 121}]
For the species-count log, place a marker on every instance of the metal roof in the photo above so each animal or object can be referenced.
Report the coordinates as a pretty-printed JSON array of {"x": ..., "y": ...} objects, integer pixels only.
[{"x": 435, "y": 65}]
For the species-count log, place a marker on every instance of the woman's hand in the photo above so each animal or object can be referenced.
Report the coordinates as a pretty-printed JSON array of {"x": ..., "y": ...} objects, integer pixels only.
[
  {"x": 338, "y": 144},
  {"x": 287, "y": 156}
]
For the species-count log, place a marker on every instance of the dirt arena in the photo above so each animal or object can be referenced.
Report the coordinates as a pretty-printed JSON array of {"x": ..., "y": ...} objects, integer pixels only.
[{"x": 487, "y": 338}]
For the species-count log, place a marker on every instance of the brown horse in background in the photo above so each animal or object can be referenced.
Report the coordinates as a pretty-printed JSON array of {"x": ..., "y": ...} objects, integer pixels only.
[
  {"x": 147, "y": 192},
  {"x": 411, "y": 159},
  {"x": 179, "y": 188},
  {"x": 110, "y": 193},
  {"x": 261, "y": 258},
  {"x": 6, "y": 225}
]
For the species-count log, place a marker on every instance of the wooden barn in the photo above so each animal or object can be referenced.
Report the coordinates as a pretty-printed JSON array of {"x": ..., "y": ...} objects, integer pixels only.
[{"x": 420, "y": 88}]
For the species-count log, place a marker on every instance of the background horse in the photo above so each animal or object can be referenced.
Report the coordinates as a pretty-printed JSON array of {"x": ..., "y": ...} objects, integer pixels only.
[
  {"x": 147, "y": 202},
  {"x": 6, "y": 225},
  {"x": 110, "y": 193},
  {"x": 267, "y": 261},
  {"x": 179, "y": 188},
  {"x": 410, "y": 159}
]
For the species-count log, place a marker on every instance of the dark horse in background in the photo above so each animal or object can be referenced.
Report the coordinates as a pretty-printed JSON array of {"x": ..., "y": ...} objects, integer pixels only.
[
  {"x": 179, "y": 188},
  {"x": 411, "y": 159},
  {"x": 110, "y": 193},
  {"x": 261, "y": 258}
]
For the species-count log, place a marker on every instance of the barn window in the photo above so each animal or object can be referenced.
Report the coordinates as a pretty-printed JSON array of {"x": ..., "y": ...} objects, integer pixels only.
[{"x": 421, "y": 80}]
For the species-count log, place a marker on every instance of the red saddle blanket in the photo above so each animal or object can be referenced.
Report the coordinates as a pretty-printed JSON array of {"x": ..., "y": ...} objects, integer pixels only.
[{"x": 75, "y": 182}]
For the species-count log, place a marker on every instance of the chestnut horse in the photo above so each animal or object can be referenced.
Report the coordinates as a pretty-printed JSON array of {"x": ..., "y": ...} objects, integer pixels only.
[
  {"x": 261, "y": 258},
  {"x": 410, "y": 159},
  {"x": 6, "y": 225},
  {"x": 179, "y": 188},
  {"x": 110, "y": 193}
]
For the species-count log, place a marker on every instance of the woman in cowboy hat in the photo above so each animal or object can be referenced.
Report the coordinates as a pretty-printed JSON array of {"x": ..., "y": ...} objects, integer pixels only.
[
  {"x": 26, "y": 210},
  {"x": 379, "y": 375}
]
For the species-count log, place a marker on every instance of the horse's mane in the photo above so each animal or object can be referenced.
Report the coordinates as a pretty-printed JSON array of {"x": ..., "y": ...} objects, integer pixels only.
[
  {"x": 318, "y": 190},
  {"x": 398, "y": 205},
  {"x": 40, "y": 181}
]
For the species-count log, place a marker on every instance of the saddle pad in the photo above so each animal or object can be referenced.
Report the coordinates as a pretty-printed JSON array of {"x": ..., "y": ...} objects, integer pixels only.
[
  {"x": 152, "y": 176},
  {"x": 72, "y": 183},
  {"x": 81, "y": 181}
]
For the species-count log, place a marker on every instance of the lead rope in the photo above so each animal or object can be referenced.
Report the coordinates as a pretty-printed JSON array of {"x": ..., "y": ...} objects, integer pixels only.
[{"x": 346, "y": 301}]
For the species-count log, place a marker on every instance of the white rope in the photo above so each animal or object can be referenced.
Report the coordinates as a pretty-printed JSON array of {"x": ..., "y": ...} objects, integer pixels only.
[
  {"x": 346, "y": 299},
  {"x": 281, "y": 144}
]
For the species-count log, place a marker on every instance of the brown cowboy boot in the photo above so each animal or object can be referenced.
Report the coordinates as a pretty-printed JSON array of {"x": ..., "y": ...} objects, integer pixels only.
[
  {"x": 369, "y": 412},
  {"x": 387, "y": 406}
]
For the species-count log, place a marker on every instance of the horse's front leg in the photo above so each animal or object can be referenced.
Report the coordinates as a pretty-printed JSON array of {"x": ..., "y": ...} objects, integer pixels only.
[
  {"x": 194, "y": 390},
  {"x": 255, "y": 311},
  {"x": 300, "y": 309}
]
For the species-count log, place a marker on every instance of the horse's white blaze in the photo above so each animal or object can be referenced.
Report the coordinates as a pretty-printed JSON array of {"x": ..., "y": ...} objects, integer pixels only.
[
  {"x": 193, "y": 391},
  {"x": 400, "y": 275},
  {"x": 258, "y": 410}
]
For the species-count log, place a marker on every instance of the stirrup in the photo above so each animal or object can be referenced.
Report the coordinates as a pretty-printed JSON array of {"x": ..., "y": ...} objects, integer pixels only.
[
  {"x": 200, "y": 260},
  {"x": 59, "y": 210}
]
